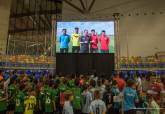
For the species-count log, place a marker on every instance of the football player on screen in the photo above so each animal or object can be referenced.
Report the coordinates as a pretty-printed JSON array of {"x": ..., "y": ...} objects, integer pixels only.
[
  {"x": 93, "y": 42},
  {"x": 84, "y": 41},
  {"x": 75, "y": 39},
  {"x": 64, "y": 40},
  {"x": 104, "y": 42}
]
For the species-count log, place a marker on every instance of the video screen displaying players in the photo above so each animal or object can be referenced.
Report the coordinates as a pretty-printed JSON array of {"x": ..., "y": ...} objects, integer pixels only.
[{"x": 85, "y": 37}]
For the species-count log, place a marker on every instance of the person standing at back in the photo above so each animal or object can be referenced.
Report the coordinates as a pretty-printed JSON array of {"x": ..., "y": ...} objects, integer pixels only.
[
  {"x": 75, "y": 39},
  {"x": 104, "y": 42},
  {"x": 97, "y": 106},
  {"x": 64, "y": 40}
]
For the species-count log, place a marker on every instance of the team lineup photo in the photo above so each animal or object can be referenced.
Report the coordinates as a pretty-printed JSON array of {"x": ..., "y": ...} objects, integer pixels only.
[{"x": 85, "y": 37}]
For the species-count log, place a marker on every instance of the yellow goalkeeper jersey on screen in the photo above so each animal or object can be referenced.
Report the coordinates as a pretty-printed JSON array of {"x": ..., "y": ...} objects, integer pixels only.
[
  {"x": 75, "y": 39},
  {"x": 30, "y": 104}
]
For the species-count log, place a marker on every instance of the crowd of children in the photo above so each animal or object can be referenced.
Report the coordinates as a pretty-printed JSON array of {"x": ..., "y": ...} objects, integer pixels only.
[{"x": 81, "y": 95}]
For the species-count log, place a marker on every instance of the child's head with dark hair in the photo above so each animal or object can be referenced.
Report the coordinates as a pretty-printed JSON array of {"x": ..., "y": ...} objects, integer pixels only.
[
  {"x": 153, "y": 79},
  {"x": 1, "y": 84},
  {"x": 99, "y": 82},
  {"x": 97, "y": 94},
  {"x": 77, "y": 82},
  {"x": 12, "y": 81},
  {"x": 50, "y": 76},
  {"x": 64, "y": 81},
  {"x": 46, "y": 82},
  {"x": 86, "y": 86},
  {"x": 108, "y": 88},
  {"x": 56, "y": 85},
  {"x": 114, "y": 82},
  {"x": 21, "y": 87},
  {"x": 130, "y": 83},
  {"x": 51, "y": 83},
  {"x": 93, "y": 83},
  {"x": 150, "y": 98}
]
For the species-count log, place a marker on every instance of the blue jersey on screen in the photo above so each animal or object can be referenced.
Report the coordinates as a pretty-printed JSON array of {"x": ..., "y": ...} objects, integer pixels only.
[
  {"x": 64, "y": 41},
  {"x": 130, "y": 96}
]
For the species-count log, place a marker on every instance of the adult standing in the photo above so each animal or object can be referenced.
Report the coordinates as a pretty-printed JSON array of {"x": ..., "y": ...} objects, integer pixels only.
[
  {"x": 64, "y": 40},
  {"x": 104, "y": 42},
  {"x": 75, "y": 39},
  {"x": 84, "y": 41},
  {"x": 93, "y": 42}
]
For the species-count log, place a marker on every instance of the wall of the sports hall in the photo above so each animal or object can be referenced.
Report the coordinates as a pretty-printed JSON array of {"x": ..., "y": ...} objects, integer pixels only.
[
  {"x": 142, "y": 35},
  {"x": 4, "y": 23}
]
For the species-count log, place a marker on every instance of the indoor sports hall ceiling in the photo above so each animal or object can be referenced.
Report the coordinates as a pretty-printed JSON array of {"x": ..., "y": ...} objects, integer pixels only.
[
  {"x": 104, "y": 9},
  {"x": 30, "y": 27}
]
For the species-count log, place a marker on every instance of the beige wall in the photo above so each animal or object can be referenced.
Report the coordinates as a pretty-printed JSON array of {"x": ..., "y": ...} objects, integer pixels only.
[
  {"x": 4, "y": 23},
  {"x": 144, "y": 35}
]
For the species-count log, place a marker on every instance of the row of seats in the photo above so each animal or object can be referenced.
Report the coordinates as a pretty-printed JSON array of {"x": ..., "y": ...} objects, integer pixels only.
[
  {"x": 143, "y": 62},
  {"x": 25, "y": 61}
]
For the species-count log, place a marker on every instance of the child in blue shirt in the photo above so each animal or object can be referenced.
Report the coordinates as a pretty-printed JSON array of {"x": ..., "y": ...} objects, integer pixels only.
[{"x": 130, "y": 97}]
